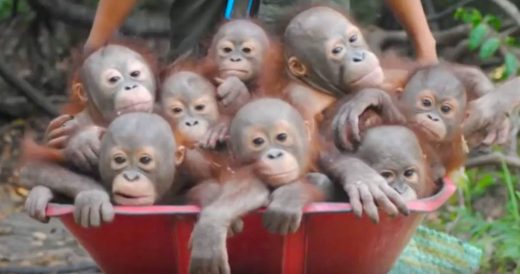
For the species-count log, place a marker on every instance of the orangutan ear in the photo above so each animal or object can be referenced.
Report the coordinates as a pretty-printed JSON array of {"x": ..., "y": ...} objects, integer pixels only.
[
  {"x": 296, "y": 67},
  {"x": 309, "y": 127},
  {"x": 179, "y": 155},
  {"x": 78, "y": 91}
]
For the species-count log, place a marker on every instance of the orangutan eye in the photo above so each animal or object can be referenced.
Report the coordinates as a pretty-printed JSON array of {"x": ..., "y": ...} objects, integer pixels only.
[
  {"x": 426, "y": 102},
  {"x": 337, "y": 50},
  {"x": 445, "y": 109},
  {"x": 135, "y": 73},
  {"x": 200, "y": 107},
  {"x": 409, "y": 173},
  {"x": 119, "y": 159},
  {"x": 281, "y": 137},
  {"x": 388, "y": 175},
  {"x": 114, "y": 79},
  {"x": 246, "y": 50},
  {"x": 353, "y": 38},
  {"x": 258, "y": 141},
  {"x": 145, "y": 160},
  {"x": 227, "y": 49},
  {"x": 177, "y": 110}
]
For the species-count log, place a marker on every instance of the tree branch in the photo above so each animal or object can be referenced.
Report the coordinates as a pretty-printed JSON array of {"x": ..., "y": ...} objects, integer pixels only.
[
  {"x": 143, "y": 25},
  {"x": 429, "y": 8},
  {"x": 510, "y": 9},
  {"x": 493, "y": 159},
  {"x": 378, "y": 37},
  {"x": 448, "y": 11},
  {"x": 30, "y": 92}
]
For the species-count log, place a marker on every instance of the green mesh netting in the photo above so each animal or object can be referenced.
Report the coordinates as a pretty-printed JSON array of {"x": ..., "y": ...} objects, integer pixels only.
[{"x": 431, "y": 251}]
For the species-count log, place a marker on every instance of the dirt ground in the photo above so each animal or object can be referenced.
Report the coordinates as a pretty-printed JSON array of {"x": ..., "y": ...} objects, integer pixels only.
[{"x": 26, "y": 245}]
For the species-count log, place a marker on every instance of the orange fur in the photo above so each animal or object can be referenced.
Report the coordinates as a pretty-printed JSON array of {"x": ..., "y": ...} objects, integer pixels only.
[
  {"x": 269, "y": 81},
  {"x": 31, "y": 151},
  {"x": 273, "y": 79},
  {"x": 75, "y": 105}
]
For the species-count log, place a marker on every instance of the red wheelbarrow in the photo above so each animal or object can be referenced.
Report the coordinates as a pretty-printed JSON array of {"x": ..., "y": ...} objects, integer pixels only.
[{"x": 331, "y": 239}]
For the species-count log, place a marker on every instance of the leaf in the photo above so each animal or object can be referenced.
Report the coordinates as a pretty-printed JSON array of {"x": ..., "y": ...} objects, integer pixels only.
[
  {"x": 483, "y": 184},
  {"x": 511, "y": 64},
  {"x": 468, "y": 16},
  {"x": 475, "y": 17},
  {"x": 476, "y": 36},
  {"x": 5, "y": 9},
  {"x": 459, "y": 13},
  {"x": 510, "y": 41},
  {"x": 488, "y": 48},
  {"x": 493, "y": 21}
]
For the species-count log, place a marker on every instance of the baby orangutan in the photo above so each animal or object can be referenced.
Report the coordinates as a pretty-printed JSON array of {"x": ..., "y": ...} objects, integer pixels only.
[
  {"x": 113, "y": 80},
  {"x": 327, "y": 58},
  {"x": 188, "y": 102},
  {"x": 136, "y": 169},
  {"x": 434, "y": 100},
  {"x": 270, "y": 144},
  {"x": 396, "y": 154},
  {"x": 236, "y": 61},
  {"x": 238, "y": 51}
]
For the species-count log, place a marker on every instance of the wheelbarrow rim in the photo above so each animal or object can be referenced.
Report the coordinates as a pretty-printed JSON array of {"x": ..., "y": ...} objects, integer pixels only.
[{"x": 428, "y": 204}]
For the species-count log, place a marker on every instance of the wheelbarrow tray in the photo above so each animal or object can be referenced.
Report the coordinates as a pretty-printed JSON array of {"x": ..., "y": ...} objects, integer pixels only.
[{"x": 155, "y": 239}]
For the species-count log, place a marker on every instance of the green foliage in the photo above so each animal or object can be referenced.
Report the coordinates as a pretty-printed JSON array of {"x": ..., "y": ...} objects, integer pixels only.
[
  {"x": 7, "y": 6},
  {"x": 493, "y": 21},
  {"x": 488, "y": 48},
  {"x": 476, "y": 36},
  {"x": 512, "y": 201},
  {"x": 468, "y": 16},
  {"x": 511, "y": 64},
  {"x": 481, "y": 185},
  {"x": 485, "y": 37},
  {"x": 499, "y": 236}
]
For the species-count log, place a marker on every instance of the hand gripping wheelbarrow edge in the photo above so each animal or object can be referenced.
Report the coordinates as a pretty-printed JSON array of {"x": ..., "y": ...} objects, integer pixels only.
[{"x": 331, "y": 239}]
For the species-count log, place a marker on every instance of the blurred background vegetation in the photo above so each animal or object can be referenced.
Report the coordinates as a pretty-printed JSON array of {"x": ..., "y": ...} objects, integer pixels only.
[{"x": 38, "y": 39}]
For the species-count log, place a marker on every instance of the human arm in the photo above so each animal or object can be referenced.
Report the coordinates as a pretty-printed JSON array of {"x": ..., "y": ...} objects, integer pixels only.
[
  {"x": 110, "y": 14},
  {"x": 411, "y": 15}
]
